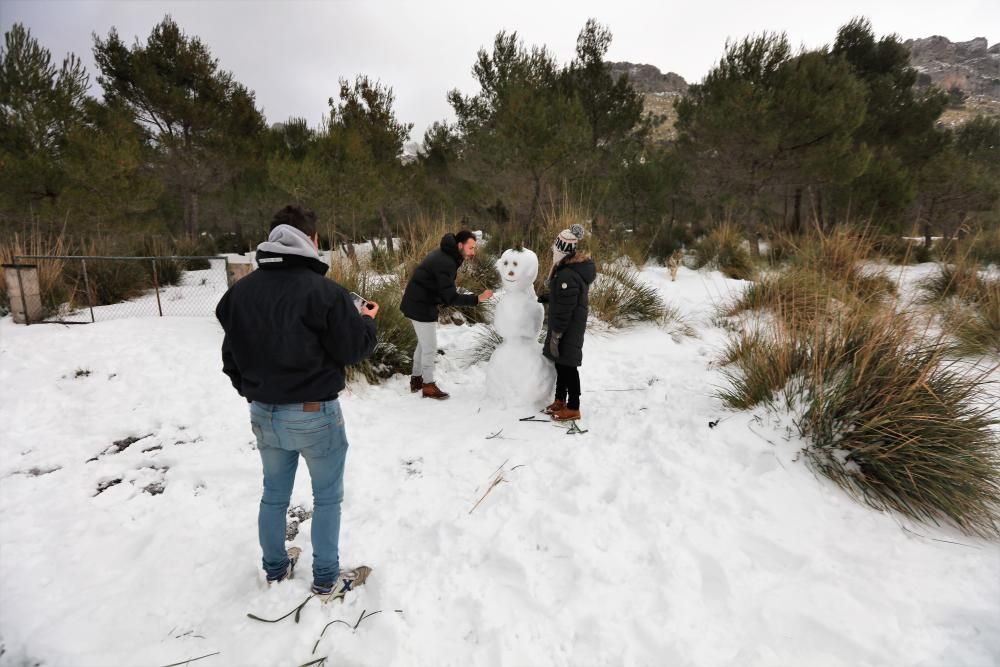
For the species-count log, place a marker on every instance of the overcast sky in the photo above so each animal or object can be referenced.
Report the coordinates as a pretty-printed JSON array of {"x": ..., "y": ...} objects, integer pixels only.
[{"x": 291, "y": 53}]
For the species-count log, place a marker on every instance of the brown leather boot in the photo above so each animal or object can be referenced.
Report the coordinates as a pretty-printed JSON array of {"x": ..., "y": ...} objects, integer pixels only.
[
  {"x": 566, "y": 415},
  {"x": 431, "y": 390},
  {"x": 416, "y": 384},
  {"x": 554, "y": 407}
]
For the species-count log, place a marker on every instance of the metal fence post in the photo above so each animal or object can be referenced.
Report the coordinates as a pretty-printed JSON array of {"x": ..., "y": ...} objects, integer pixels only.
[
  {"x": 86, "y": 286},
  {"x": 24, "y": 301},
  {"x": 156, "y": 286}
]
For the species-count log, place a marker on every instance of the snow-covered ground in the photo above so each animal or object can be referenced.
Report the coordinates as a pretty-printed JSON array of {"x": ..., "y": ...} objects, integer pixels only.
[{"x": 652, "y": 539}]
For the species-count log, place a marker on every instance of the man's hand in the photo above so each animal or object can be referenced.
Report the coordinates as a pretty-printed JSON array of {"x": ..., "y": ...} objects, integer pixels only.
[
  {"x": 370, "y": 309},
  {"x": 485, "y": 295},
  {"x": 554, "y": 344}
]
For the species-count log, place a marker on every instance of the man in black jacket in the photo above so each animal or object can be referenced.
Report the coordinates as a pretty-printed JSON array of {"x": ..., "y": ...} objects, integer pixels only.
[
  {"x": 433, "y": 284},
  {"x": 289, "y": 334}
]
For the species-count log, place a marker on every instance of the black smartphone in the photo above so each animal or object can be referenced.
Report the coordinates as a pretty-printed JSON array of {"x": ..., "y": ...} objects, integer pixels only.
[{"x": 359, "y": 301}]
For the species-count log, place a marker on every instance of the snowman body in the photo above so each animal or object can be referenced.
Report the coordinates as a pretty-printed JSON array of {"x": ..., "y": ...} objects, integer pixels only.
[{"x": 517, "y": 373}]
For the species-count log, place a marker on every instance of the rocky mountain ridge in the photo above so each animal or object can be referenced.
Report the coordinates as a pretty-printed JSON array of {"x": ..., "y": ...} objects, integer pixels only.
[
  {"x": 970, "y": 70},
  {"x": 972, "y": 67}
]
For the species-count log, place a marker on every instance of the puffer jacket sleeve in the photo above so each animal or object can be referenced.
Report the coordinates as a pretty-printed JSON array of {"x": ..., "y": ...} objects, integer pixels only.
[
  {"x": 349, "y": 337},
  {"x": 229, "y": 366},
  {"x": 448, "y": 293}
]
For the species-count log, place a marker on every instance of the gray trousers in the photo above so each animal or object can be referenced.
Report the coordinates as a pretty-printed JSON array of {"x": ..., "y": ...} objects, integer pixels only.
[{"x": 426, "y": 352}]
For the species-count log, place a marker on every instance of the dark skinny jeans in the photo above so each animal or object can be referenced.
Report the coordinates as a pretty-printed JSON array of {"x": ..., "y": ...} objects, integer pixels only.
[{"x": 568, "y": 384}]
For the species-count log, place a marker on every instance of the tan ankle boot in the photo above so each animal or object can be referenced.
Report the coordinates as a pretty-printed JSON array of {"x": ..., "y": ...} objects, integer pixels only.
[
  {"x": 431, "y": 390},
  {"x": 554, "y": 407},
  {"x": 566, "y": 415}
]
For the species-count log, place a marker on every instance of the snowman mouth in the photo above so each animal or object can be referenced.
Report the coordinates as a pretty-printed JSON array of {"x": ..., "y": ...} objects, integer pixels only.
[{"x": 511, "y": 280}]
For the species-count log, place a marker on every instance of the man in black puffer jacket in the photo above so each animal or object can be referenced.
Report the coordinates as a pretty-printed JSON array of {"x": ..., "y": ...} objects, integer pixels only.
[
  {"x": 569, "y": 290},
  {"x": 433, "y": 284},
  {"x": 290, "y": 333}
]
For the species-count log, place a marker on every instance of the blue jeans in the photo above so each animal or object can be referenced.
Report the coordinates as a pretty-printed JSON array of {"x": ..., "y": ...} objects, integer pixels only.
[{"x": 283, "y": 433}]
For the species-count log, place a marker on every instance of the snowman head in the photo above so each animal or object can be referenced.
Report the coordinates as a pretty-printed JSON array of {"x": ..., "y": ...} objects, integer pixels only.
[{"x": 518, "y": 269}]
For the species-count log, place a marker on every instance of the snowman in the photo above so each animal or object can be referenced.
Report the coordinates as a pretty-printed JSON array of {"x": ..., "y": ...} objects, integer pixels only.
[{"x": 518, "y": 374}]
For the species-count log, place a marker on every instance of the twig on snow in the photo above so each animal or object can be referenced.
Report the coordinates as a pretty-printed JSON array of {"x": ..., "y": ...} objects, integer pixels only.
[
  {"x": 297, "y": 611},
  {"x": 363, "y": 616},
  {"x": 928, "y": 537},
  {"x": 184, "y": 662},
  {"x": 496, "y": 481},
  {"x": 498, "y": 478},
  {"x": 499, "y": 467},
  {"x": 320, "y": 662},
  {"x": 572, "y": 429}
]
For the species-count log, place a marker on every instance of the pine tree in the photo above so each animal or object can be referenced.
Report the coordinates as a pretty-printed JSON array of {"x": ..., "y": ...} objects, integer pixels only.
[
  {"x": 521, "y": 133},
  {"x": 349, "y": 170},
  {"x": 40, "y": 105},
  {"x": 203, "y": 123},
  {"x": 899, "y": 124},
  {"x": 612, "y": 106},
  {"x": 365, "y": 129},
  {"x": 764, "y": 122}
]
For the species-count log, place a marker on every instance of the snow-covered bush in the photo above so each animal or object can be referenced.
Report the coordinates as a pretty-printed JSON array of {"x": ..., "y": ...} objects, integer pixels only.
[{"x": 888, "y": 416}]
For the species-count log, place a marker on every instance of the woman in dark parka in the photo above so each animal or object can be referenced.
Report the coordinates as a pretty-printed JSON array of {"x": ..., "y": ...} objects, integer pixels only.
[{"x": 569, "y": 289}]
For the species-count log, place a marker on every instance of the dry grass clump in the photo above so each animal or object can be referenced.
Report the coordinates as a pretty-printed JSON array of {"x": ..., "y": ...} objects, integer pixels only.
[
  {"x": 759, "y": 364},
  {"x": 826, "y": 276},
  {"x": 110, "y": 281},
  {"x": 798, "y": 296},
  {"x": 167, "y": 271},
  {"x": 396, "y": 339},
  {"x": 723, "y": 248},
  {"x": 484, "y": 344},
  {"x": 957, "y": 279},
  {"x": 840, "y": 256},
  {"x": 887, "y": 415},
  {"x": 985, "y": 245},
  {"x": 968, "y": 299},
  {"x": 620, "y": 297},
  {"x": 900, "y": 251},
  {"x": 781, "y": 247},
  {"x": 974, "y": 321}
]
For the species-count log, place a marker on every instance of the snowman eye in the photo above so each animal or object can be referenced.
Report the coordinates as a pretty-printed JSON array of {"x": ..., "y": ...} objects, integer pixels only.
[
  {"x": 515, "y": 263},
  {"x": 505, "y": 262}
]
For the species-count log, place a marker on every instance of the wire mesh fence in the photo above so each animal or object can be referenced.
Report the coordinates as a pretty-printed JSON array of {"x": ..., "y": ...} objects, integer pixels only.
[{"x": 82, "y": 289}]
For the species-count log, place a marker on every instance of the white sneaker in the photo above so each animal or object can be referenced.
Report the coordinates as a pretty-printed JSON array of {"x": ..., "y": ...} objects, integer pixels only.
[{"x": 347, "y": 580}]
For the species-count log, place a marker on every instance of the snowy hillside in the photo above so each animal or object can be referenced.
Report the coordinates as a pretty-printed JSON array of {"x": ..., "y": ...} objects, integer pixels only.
[{"x": 129, "y": 487}]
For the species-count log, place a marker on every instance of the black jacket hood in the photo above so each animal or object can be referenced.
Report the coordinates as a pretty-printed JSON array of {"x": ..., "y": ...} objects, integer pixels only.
[
  {"x": 584, "y": 266},
  {"x": 271, "y": 261},
  {"x": 449, "y": 246}
]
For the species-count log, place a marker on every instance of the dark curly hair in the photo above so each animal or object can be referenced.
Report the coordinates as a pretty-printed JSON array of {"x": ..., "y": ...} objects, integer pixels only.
[{"x": 303, "y": 219}]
